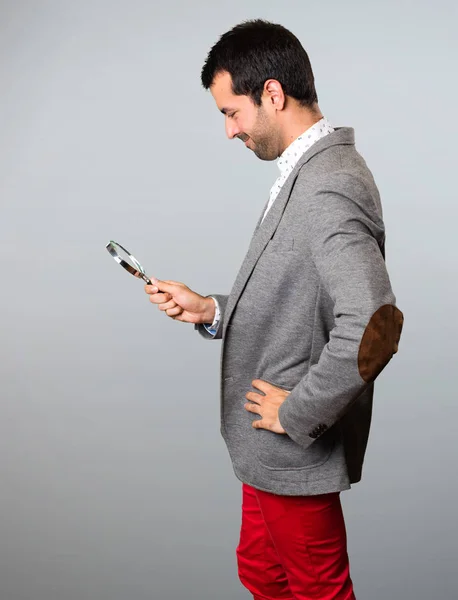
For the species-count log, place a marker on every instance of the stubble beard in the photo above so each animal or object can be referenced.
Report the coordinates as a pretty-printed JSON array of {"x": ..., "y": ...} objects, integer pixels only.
[{"x": 263, "y": 138}]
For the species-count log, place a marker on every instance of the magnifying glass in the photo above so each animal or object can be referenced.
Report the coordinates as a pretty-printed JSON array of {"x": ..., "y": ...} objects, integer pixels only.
[{"x": 124, "y": 258}]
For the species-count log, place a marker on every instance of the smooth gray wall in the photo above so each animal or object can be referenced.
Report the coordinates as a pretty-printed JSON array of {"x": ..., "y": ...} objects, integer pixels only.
[{"x": 114, "y": 482}]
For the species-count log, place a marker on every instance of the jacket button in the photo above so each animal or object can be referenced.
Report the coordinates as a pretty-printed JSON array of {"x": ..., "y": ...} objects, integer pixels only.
[{"x": 319, "y": 429}]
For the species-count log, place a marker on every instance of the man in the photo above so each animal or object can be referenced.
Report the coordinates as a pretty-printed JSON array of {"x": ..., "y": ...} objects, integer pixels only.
[{"x": 309, "y": 324}]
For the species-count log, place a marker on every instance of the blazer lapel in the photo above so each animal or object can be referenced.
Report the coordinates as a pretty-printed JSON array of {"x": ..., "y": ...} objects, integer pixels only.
[
  {"x": 261, "y": 236},
  {"x": 266, "y": 229}
]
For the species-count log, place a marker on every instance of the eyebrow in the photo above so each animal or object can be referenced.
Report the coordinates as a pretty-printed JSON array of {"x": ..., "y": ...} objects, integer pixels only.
[{"x": 226, "y": 110}]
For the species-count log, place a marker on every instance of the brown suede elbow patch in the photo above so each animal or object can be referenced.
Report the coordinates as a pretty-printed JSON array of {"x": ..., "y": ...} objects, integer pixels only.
[{"x": 380, "y": 341}]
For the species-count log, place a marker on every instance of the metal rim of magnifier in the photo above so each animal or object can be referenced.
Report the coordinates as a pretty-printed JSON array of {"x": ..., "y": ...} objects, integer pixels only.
[{"x": 139, "y": 272}]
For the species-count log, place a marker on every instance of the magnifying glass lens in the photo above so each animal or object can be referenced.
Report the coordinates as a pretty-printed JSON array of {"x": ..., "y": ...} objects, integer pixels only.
[
  {"x": 123, "y": 255},
  {"x": 126, "y": 260}
]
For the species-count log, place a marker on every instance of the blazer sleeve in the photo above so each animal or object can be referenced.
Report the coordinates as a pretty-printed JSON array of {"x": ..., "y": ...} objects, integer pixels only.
[
  {"x": 342, "y": 225},
  {"x": 222, "y": 302}
]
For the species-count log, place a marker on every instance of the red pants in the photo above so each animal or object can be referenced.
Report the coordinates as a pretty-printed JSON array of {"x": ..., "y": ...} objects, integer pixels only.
[{"x": 293, "y": 547}]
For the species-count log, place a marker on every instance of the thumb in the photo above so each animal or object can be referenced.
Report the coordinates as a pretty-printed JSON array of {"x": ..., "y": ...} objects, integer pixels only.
[{"x": 164, "y": 286}]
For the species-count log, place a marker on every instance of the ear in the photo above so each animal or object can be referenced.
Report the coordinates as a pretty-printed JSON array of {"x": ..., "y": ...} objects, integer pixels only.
[{"x": 274, "y": 94}]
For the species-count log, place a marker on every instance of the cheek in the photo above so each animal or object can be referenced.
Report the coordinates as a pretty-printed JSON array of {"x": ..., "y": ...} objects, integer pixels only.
[{"x": 248, "y": 126}]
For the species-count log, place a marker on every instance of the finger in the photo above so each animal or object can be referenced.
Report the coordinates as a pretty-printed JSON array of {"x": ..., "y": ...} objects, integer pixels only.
[
  {"x": 254, "y": 397},
  {"x": 159, "y": 298},
  {"x": 150, "y": 289},
  {"x": 181, "y": 318},
  {"x": 173, "y": 312},
  {"x": 259, "y": 384},
  {"x": 253, "y": 408},
  {"x": 165, "y": 305},
  {"x": 259, "y": 424},
  {"x": 165, "y": 286}
]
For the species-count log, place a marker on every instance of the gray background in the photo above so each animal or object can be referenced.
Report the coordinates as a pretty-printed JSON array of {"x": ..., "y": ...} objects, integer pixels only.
[{"x": 114, "y": 482}]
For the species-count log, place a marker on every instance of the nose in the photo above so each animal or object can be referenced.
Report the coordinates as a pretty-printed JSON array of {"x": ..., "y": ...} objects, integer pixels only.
[{"x": 231, "y": 129}]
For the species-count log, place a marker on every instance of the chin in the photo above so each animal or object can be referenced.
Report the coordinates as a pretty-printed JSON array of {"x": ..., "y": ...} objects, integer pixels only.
[{"x": 265, "y": 156}]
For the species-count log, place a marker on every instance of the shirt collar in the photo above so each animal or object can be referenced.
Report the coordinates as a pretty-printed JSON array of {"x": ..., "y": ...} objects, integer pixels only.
[{"x": 289, "y": 158}]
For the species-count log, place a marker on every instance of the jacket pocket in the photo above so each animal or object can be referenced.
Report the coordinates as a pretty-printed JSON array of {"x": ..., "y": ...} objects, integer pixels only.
[{"x": 277, "y": 451}]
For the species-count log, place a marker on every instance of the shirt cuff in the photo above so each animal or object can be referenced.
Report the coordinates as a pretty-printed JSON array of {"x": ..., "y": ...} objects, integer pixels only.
[{"x": 214, "y": 326}]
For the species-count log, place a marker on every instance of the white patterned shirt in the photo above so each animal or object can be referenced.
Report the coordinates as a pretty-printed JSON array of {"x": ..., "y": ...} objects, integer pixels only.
[
  {"x": 290, "y": 157},
  {"x": 286, "y": 163}
]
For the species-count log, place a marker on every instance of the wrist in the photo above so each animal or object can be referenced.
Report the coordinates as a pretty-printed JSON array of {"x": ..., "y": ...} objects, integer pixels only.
[{"x": 208, "y": 313}]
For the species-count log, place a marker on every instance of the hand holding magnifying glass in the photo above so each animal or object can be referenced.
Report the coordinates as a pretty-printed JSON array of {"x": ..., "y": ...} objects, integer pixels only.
[{"x": 172, "y": 297}]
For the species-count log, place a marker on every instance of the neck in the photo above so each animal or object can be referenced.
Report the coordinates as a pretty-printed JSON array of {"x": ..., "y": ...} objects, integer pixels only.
[{"x": 296, "y": 120}]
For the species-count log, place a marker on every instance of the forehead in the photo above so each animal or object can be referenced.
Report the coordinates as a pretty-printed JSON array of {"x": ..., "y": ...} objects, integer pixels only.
[{"x": 221, "y": 90}]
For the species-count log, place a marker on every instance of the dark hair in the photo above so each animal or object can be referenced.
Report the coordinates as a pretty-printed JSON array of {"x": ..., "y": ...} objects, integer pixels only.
[{"x": 255, "y": 51}]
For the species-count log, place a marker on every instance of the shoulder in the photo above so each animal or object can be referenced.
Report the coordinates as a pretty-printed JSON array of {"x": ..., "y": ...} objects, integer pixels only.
[
  {"x": 337, "y": 198},
  {"x": 337, "y": 172}
]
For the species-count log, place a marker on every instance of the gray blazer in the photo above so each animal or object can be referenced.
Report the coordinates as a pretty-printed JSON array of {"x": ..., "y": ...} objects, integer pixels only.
[{"x": 311, "y": 311}]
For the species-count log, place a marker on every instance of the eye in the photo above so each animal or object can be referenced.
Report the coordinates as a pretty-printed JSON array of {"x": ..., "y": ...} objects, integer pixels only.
[{"x": 231, "y": 116}]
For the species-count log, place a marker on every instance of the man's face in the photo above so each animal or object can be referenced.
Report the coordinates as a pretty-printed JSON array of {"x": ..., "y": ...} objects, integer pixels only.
[{"x": 252, "y": 124}]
